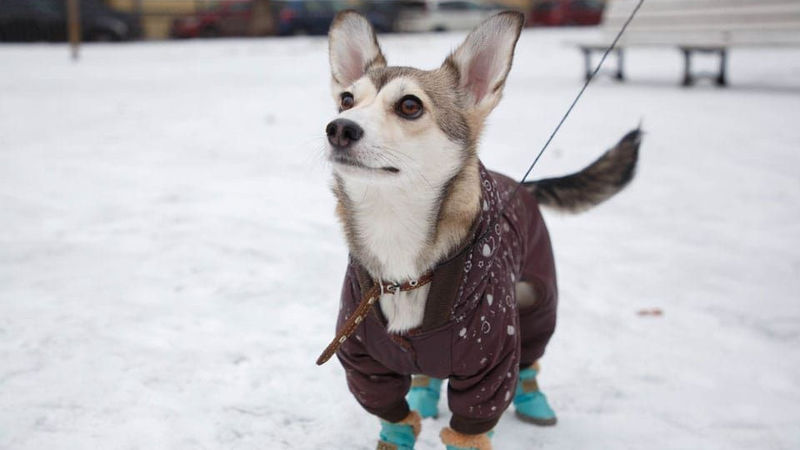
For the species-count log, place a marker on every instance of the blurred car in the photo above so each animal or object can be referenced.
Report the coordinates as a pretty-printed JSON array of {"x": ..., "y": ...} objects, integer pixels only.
[
  {"x": 46, "y": 20},
  {"x": 228, "y": 18},
  {"x": 382, "y": 14},
  {"x": 292, "y": 17},
  {"x": 444, "y": 15},
  {"x": 314, "y": 17},
  {"x": 566, "y": 12},
  {"x": 306, "y": 17}
]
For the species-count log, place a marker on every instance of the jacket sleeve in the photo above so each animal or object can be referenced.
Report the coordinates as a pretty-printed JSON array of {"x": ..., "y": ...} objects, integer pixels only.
[
  {"x": 378, "y": 389},
  {"x": 485, "y": 374}
]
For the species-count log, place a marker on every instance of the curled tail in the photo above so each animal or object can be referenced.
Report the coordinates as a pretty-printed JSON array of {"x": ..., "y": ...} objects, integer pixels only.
[{"x": 594, "y": 184}]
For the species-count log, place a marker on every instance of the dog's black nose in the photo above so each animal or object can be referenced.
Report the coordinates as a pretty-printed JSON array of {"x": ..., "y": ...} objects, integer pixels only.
[{"x": 342, "y": 133}]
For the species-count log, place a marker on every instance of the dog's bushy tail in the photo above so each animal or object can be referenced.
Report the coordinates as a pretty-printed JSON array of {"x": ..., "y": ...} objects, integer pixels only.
[{"x": 596, "y": 183}]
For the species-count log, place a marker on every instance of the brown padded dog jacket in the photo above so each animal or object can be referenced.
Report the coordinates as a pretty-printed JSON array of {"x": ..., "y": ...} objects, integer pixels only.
[{"x": 473, "y": 332}]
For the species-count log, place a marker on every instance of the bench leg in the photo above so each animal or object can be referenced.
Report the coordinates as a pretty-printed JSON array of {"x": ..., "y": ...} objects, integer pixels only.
[
  {"x": 688, "y": 80},
  {"x": 620, "y": 65},
  {"x": 722, "y": 79},
  {"x": 587, "y": 58}
]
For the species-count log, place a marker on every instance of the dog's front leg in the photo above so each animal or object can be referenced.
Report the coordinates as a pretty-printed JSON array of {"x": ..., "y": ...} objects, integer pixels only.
[
  {"x": 381, "y": 392},
  {"x": 487, "y": 366}
]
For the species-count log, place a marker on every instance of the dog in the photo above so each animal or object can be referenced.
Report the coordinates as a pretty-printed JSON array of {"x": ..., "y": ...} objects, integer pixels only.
[{"x": 456, "y": 258}]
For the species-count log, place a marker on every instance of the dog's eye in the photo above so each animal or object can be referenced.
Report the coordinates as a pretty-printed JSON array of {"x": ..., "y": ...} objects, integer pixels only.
[
  {"x": 347, "y": 101},
  {"x": 409, "y": 107}
]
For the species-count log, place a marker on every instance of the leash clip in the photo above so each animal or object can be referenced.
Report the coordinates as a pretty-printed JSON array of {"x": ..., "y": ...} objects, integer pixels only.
[{"x": 393, "y": 288}]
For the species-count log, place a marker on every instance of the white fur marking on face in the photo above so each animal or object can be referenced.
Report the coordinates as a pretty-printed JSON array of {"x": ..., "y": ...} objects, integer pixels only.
[
  {"x": 393, "y": 211},
  {"x": 362, "y": 89},
  {"x": 421, "y": 150}
]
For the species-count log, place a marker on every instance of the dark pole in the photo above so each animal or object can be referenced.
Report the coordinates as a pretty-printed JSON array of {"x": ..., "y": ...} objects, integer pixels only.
[
  {"x": 74, "y": 27},
  {"x": 722, "y": 79},
  {"x": 139, "y": 8},
  {"x": 687, "y": 67}
]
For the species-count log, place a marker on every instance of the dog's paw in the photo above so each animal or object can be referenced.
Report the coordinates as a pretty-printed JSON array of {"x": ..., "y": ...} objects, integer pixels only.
[{"x": 459, "y": 441}]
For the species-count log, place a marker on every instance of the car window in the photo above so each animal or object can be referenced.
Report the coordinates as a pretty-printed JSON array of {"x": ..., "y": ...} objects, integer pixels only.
[
  {"x": 293, "y": 5},
  {"x": 586, "y": 4},
  {"x": 457, "y": 6},
  {"x": 13, "y": 8},
  {"x": 339, "y": 6},
  {"x": 91, "y": 4},
  {"x": 239, "y": 6},
  {"x": 319, "y": 7},
  {"x": 545, "y": 6},
  {"x": 47, "y": 6},
  {"x": 413, "y": 6}
]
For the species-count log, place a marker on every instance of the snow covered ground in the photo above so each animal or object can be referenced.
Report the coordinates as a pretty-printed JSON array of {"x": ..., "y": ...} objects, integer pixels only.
[{"x": 170, "y": 263}]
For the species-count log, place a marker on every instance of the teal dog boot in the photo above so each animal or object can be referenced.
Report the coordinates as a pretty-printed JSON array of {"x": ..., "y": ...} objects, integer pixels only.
[
  {"x": 530, "y": 402},
  {"x": 424, "y": 396},
  {"x": 400, "y": 435}
]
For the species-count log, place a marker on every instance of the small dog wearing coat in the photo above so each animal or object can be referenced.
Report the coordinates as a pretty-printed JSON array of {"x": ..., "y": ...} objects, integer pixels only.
[{"x": 457, "y": 259}]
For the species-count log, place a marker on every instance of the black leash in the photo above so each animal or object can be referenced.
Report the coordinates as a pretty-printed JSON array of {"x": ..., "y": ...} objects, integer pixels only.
[
  {"x": 574, "y": 102},
  {"x": 589, "y": 79}
]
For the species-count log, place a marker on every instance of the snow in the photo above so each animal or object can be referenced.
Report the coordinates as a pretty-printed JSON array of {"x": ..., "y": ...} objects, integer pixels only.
[{"x": 170, "y": 263}]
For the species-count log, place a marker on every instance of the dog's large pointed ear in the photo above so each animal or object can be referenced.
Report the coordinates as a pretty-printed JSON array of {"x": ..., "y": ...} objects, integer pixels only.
[
  {"x": 483, "y": 60},
  {"x": 353, "y": 48}
]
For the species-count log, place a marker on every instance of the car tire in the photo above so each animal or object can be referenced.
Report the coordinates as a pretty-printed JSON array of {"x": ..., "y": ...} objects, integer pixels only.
[
  {"x": 103, "y": 36},
  {"x": 209, "y": 32}
]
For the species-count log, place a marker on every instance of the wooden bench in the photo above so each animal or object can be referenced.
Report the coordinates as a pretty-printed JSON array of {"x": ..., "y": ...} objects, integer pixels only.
[{"x": 698, "y": 26}]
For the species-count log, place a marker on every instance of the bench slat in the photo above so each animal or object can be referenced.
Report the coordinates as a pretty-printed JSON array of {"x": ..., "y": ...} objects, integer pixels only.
[
  {"x": 757, "y": 23},
  {"x": 717, "y": 22},
  {"x": 622, "y": 8},
  {"x": 698, "y": 25}
]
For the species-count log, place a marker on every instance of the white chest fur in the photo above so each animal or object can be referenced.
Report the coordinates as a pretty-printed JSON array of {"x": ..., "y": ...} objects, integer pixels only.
[
  {"x": 393, "y": 226},
  {"x": 405, "y": 310}
]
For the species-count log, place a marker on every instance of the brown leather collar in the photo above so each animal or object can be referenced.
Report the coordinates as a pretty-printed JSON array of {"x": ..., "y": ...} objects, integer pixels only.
[
  {"x": 379, "y": 288},
  {"x": 387, "y": 287}
]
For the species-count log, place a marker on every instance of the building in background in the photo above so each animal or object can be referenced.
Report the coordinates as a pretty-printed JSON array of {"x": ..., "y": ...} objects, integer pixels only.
[{"x": 157, "y": 15}]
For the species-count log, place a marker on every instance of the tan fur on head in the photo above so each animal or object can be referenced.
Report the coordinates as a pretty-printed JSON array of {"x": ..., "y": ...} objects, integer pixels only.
[
  {"x": 483, "y": 61},
  {"x": 452, "y": 437},
  {"x": 457, "y": 97},
  {"x": 408, "y": 188}
]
